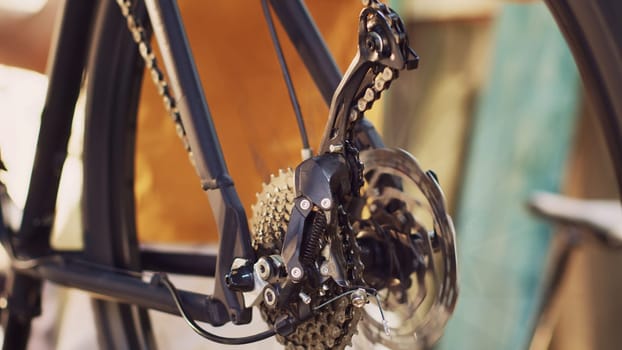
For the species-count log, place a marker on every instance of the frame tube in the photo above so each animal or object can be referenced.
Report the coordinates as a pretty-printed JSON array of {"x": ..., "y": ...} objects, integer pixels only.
[
  {"x": 206, "y": 151},
  {"x": 107, "y": 284},
  {"x": 65, "y": 69},
  {"x": 179, "y": 263}
]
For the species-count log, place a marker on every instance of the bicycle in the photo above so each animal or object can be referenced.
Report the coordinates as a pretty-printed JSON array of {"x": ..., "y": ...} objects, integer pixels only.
[
  {"x": 111, "y": 262},
  {"x": 346, "y": 207}
]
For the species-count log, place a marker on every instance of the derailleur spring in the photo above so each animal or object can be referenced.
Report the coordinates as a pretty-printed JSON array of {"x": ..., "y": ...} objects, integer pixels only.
[{"x": 314, "y": 239}]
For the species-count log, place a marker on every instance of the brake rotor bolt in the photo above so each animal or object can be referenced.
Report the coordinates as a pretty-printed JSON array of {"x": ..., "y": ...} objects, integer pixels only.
[
  {"x": 359, "y": 298},
  {"x": 326, "y": 203},
  {"x": 296, "y": 273},
  {"x": 305, "y": 204},
  {"x": 305, "y": 298}
]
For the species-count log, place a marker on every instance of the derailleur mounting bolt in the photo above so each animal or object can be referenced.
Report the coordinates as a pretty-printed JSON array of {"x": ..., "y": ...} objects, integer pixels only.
[
  {"x": 326, "y": 203},
  {"x": 296, "y": 273},
  {"x": 305, "y": 204}
]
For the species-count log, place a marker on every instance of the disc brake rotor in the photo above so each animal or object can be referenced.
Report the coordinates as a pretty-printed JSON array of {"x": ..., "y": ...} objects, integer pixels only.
[{"x": 403, "y": 201}]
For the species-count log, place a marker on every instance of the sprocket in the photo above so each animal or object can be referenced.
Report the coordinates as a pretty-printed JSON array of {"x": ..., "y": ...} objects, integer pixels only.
[{"x": 331, "y": 326}]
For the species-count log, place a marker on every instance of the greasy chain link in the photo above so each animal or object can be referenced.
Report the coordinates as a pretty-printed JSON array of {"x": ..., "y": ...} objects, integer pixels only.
[{"x": 139, "y": 36}]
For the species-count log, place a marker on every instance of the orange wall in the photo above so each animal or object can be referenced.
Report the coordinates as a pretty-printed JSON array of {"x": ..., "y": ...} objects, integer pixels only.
[{"x": 250, "y": 106}]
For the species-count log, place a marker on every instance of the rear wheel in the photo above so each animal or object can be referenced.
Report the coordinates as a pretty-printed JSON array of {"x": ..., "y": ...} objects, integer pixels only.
[{"x": 114, "y": 76}]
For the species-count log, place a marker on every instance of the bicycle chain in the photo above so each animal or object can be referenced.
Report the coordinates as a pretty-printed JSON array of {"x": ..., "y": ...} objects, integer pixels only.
[
  {"x": 371, "y": 94},
  {"x": 383, "y": 51},
  {"x": 139, "y": 36}
]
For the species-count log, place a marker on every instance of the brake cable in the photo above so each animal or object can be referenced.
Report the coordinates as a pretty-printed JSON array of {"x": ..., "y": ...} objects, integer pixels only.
[
  {"x": 306, "y": 149},
  {"x": 162, "y": 278}
]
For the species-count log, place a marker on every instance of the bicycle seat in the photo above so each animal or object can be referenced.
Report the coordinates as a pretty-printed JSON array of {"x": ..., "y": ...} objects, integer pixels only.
[{"x": 603, "y": 218}]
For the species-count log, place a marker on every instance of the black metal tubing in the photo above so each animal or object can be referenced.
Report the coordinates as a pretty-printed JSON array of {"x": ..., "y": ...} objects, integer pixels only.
[
  {"x": 24, "y": 301},
  {"x": 303, "y": 33},
  {"x": 65, "y": 68},
  {"x": 108, "y": 284},
  {"x": 65, "y": 75},
  {"x": 179, "y": 263},
  {"x": 207, "y": 154}
]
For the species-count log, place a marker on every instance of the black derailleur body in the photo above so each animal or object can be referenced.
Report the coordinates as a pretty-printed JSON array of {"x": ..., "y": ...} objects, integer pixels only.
[
  {"x": 327, "y": 186},
  {"x": 322, "y": 183}
]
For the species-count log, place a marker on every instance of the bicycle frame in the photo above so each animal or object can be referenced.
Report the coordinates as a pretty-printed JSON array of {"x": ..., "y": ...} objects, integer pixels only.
[{"x": 65, "y": 70}]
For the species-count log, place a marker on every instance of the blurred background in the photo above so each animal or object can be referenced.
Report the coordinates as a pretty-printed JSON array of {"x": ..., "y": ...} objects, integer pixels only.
[{"x": 496, "y": 108}]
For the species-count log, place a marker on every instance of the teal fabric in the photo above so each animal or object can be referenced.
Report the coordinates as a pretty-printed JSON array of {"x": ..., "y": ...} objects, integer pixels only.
[{"x": 519, "y": 144}]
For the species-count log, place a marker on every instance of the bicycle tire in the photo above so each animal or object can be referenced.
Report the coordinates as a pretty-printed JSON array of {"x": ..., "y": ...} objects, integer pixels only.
[
  {"x": 114, "y": 74},
  {"x": 594, "y": 35}
]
